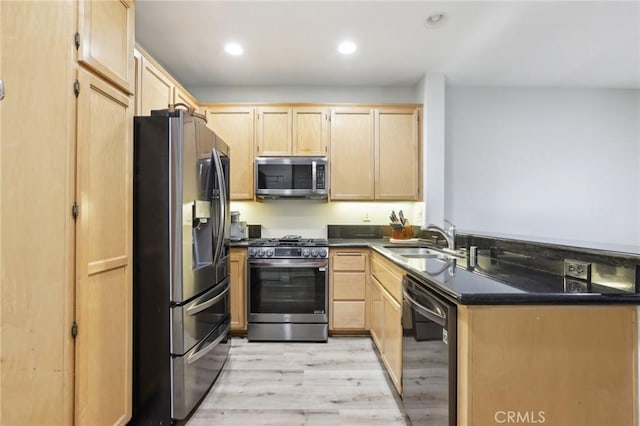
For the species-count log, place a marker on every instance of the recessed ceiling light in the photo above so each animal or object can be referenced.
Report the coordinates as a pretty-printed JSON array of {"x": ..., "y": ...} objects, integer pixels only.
[
  {"x": 233, "y": 49},
  {"x": 347, "y": 47},
  {"x": 436, "y": 20}
]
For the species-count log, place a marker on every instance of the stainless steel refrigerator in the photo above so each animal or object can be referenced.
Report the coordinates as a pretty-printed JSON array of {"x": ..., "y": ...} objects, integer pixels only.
[{"x": 181, "y": 231}]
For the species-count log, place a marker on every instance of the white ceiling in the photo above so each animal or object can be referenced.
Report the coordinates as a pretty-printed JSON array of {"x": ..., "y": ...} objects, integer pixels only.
[{"x": 550, "y": 43}]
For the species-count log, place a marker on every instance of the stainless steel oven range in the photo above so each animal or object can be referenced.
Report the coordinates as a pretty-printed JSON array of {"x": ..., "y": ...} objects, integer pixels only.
[{"x": 287, "y": 294}]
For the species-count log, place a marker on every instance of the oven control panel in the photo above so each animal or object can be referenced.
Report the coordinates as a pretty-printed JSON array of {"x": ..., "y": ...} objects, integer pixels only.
[{"x": 288, "y": 252}]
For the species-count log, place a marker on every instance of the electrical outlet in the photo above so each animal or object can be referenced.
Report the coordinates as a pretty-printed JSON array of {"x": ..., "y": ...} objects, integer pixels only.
[
  {"x": 366, "y": 217},
  {"x": 577, "y": 269}
]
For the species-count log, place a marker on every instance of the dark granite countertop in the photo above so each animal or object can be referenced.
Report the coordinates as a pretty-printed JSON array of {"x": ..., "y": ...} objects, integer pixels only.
[
  {"x": 494, "y": 282},
  {"x": 240, "y": 243}
]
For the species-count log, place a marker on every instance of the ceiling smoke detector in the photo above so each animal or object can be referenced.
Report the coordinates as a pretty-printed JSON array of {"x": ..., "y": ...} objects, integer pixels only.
[{"x": 435, "y": 21}]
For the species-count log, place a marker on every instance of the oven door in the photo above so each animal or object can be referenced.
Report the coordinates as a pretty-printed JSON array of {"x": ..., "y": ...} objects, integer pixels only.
[{"x": 287, "y": 291}]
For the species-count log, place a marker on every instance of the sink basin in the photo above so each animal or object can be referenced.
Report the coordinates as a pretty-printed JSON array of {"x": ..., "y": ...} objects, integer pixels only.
[
  {"x": 414, "y": 255},
  {"x": 427, "y": 256},
  {"x": 413, "y": 251}
]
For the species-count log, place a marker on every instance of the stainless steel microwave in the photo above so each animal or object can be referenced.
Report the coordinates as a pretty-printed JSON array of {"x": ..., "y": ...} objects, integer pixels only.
[{"x": 291, "y": 177}]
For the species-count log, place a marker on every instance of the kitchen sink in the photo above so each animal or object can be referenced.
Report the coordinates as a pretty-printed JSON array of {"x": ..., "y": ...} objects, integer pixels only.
[
  {"x": 415, "y": 254},
  {"x": 427, "y": 256},
  {"x": 413, "y": 251}
]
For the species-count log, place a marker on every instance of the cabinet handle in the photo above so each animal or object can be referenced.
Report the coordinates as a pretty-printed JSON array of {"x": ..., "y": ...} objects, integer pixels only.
[
  {"x": 346, "y": 253},
  {"x": 1, "y": 90}
]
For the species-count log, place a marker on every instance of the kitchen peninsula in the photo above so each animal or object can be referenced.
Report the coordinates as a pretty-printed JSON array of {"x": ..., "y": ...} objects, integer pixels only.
[{"x": 528, "y": 341}]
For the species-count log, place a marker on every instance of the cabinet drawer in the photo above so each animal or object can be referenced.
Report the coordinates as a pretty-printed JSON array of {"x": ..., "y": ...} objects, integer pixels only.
[
  {"x": 388, "y": 275},
  {"x": 348, "y": 315},
  {"x": 349, "y": 285},
  {"x": 348, "y": 261}
]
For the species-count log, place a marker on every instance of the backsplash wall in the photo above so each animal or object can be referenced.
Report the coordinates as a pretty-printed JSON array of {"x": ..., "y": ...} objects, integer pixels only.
[{"x": 309, "y": 218}]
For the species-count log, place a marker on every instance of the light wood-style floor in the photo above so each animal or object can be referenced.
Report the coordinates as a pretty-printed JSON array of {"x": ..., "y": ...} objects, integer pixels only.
[{"x": 336, "y": 383}]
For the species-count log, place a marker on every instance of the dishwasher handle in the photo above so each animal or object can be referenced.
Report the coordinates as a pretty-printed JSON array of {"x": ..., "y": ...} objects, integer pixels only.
[{"x": 434, "y": 316}]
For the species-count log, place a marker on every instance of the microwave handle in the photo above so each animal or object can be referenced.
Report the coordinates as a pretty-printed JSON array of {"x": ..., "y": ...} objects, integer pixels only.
[{"x": 314, "y": 176}]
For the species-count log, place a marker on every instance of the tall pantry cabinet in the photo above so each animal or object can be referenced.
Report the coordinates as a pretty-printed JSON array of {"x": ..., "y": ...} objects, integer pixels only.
[{"x": 65, "y": 212}]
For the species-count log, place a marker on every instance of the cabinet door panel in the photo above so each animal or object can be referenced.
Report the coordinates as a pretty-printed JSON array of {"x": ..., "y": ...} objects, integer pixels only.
[
  {"x": 37, "y": 161},
  {"x": 106, "y": 31},
  {"x": 238, "y": 284},
  {"x": 349, "y": 285},
  {"x": 310, "y": 133},
  {"x": 103, "y": 262},
  {"x": 235, "y": 126},
  {"x": 156, "y": 90},
  {"x": 397, "y": 154},
  {"x": 348, "y": 261},
  {"x": 389, "y": 276},
  {"x": 273, "y": 134},
  {"x": 180, "y": 97},
  {"x": 352, "y": 176},
  {"x": 393, "y": 340},
  {"x": 377, "y": 314},
  {"x": 348, "y": 315}
]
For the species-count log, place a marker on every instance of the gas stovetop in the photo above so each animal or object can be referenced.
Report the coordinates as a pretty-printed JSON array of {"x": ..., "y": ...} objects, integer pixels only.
[{"x": 289, "y": 247}]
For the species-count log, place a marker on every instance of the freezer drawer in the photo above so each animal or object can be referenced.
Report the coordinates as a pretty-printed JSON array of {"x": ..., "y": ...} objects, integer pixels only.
[
  {"x": 195, "y": 371},
  {"x": 194, "y": 320}
]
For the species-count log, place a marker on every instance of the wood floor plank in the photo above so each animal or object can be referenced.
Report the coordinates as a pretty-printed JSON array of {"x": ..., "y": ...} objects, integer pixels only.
[{"x": 340, "y": 382}]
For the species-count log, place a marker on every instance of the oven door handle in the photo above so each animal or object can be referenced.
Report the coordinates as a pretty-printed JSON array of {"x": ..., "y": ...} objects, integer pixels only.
[
  {"x": 288, "y": 265},
  {"x": 432, "y": 315}
]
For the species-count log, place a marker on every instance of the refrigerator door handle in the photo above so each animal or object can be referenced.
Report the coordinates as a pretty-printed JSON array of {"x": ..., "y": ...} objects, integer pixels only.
[
  {"x": 223, "y": 205},
  {"x": 198, "y": 353},
  {"x": 199, "y": 307}
]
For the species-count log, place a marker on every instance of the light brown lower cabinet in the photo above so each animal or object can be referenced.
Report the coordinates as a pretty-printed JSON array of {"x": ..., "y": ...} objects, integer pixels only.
[
  {"x": 348, "y": 289},
  {"x": 238, "y": 297},
  {"x": 376, "y": 312},
  {"x": 386, "y": 314},
  {"x": 554, "y": 365}
]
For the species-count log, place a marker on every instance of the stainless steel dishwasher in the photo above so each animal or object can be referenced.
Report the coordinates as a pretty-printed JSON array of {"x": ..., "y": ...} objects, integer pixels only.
[{"x": 429, "y": 355}]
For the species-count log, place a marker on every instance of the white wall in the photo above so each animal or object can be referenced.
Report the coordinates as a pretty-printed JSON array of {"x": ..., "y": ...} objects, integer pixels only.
[
  {"x": 556, "y": 165},
  {"x": 431, "y": 89},
  {"x": 309, "y": 218},
  {"x": 327, "y": 94}
]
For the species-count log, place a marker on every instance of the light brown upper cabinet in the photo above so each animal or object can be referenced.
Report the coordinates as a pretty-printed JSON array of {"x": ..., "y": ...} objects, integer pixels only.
[
  {"x": 105, "y": 40},
  {"x": 182, "y": 97},
  {"x": 310, "y": 131},
  {"x": 375, "y": 154},
  {"x": 155, "y": 88},
  {"x": 285, "y": 131},
  {"x": 273, "y": 131},
  {"x": 235, "y": 126},
  {"x": 352, "y": 162},
  {"x": 397, "y": 154}
]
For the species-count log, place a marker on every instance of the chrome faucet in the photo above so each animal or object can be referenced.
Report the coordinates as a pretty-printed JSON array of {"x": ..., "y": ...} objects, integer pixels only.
[{"x": 449, "y": 235}]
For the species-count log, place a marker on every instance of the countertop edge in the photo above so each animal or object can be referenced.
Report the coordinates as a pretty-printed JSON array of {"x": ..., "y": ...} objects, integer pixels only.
[{"x": 485, "y": 298}]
